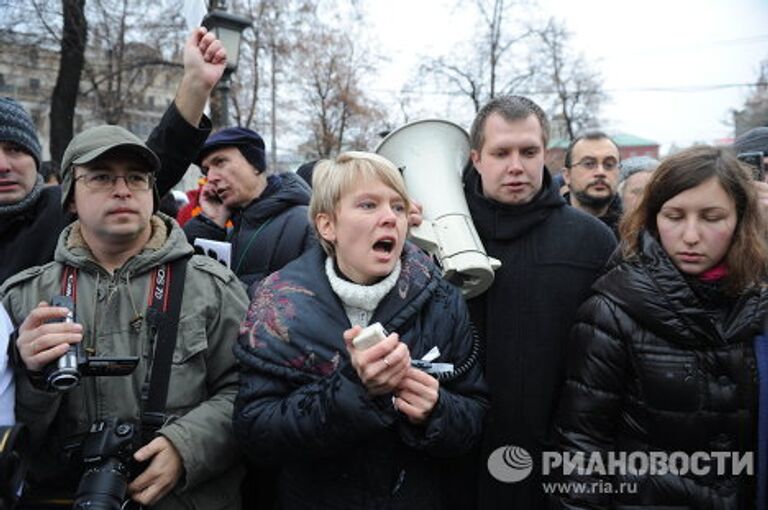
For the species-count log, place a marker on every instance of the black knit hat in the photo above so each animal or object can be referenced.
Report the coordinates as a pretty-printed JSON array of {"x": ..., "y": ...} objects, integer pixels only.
[
  {"x": 249, "y": 142},
  {"x": 16, "y": 126}
]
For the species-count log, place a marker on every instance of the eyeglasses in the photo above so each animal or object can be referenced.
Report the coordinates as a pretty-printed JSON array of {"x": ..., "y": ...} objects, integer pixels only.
[
  {"x": 107, "y": 181},
  {"x": 592, "y": 164}
]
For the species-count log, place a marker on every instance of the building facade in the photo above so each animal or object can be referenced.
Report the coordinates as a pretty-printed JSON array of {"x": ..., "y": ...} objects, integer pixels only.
[{"x": 28, "y": 72}]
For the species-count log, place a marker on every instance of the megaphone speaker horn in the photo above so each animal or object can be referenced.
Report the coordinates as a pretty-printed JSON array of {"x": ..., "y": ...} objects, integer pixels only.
[{"x": 431, "y": 154}]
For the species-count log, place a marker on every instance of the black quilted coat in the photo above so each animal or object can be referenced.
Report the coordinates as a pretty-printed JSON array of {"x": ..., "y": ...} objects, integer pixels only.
[
  {"x": 662, "y": 363},
  {"x": 301, "y": 405}
]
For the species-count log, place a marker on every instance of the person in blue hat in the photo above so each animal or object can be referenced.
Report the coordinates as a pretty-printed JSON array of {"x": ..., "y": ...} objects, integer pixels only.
[
  {"x": 265, "y": 219},
  {"x": 269, "y": 219}
]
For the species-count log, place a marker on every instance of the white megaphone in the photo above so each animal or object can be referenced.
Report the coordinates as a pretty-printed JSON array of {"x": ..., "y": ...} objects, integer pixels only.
[{"x": 431, "y": 154}]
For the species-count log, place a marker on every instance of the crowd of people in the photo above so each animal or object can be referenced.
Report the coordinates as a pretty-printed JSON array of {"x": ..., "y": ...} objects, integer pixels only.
[{"x": 626, "y": 319}]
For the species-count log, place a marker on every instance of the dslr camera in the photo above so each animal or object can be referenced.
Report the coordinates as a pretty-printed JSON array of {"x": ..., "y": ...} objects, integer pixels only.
[
  {"x": 66, "y": 372},
  {"x": 107, "y": 455}
]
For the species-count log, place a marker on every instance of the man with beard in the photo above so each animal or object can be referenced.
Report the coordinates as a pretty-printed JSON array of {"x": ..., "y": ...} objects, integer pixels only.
[{"x": 592, "y": 164}]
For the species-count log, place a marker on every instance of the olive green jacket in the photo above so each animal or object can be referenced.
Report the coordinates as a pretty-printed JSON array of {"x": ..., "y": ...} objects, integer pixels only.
[{"x": 203, "y": 380}]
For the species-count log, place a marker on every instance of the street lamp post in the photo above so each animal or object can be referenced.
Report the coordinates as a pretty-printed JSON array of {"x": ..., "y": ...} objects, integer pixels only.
[{"x": 228, "y": 28}]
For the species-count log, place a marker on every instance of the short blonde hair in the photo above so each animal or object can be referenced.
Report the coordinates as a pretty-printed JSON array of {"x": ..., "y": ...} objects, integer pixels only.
[{"x": 332, "y": 178}]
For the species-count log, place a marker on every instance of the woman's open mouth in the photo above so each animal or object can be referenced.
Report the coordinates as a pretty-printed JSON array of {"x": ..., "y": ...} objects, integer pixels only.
[{"x": 384, "y": 245}]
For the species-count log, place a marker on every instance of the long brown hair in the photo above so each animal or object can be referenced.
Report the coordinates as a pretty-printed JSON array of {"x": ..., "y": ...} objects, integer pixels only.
[{"x": 747, "y": 257}]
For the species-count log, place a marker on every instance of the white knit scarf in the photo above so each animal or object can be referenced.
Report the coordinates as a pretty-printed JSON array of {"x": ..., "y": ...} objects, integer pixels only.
[{"x": 360, "y": 300}]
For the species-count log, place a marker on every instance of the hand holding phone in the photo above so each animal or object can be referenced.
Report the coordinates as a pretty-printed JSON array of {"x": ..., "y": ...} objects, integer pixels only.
[
  {"x": 381, "y": 360},
  {"x": 212, "y": 205},
  {"x": 369, "y": 336}
]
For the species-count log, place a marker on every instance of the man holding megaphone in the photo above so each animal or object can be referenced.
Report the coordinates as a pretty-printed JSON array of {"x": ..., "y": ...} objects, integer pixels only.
[{"x": 550, "y": 255}]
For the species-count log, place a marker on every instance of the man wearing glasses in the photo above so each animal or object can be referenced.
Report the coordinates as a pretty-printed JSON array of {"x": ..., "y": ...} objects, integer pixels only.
[
  {"x": 118, "y": 262},
  {"x": 30, "y": 213},
  {"x": 592, "y": 170}
]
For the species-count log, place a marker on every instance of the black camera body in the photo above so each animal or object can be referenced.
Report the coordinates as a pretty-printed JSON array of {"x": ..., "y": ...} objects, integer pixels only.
[
  {"x": 107, "y": 454},
  {"x": 65, "y": 372},
  {"x": 756, "y": 162}
]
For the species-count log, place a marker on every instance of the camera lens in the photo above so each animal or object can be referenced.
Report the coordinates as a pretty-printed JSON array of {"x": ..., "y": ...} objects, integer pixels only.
[
  {"x": 65, "y": 374},
  {"x": 102, "y": 488}
]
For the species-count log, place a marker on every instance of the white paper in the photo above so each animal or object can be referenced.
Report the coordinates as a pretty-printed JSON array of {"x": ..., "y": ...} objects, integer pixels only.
[{"x": 217, "y": 250}]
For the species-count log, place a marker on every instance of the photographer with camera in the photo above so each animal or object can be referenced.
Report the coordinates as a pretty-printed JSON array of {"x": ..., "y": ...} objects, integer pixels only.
[{"x": 137, "y": 291}]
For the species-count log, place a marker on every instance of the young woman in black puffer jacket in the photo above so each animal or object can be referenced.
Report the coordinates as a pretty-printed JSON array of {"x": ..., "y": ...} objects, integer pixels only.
[{"x": 662, "y": 355}]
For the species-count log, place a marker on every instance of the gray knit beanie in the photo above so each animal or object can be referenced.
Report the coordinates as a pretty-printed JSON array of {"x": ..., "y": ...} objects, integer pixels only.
[
  {"x": 631, "y": 166},
  {"x": 754, "y": 140},
  {"x": 16, "y": 126}
]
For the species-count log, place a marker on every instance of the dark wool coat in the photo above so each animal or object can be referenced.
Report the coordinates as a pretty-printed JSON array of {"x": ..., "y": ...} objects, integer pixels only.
[
  {"x": 302, "y": 406},
  {"x": 268, "y": 233},
  {"x": 551, "y": 254},
  {"x": 29, "y": 239},
  {"x": 656, "y": 367}
]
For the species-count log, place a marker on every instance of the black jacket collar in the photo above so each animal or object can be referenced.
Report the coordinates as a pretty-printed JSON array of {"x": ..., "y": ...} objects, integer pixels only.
[
  {"x": 282, "y": 192},
  {"x": 650, "y": 289},
  {"x": 495, "y": 220}
]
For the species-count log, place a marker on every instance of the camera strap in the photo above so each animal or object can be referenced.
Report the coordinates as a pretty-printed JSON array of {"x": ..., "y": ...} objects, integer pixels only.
[
  {"x": 165, "y": 296},
  {"x": 69, "y": 283},
  {"x": 165, "y": 309}
]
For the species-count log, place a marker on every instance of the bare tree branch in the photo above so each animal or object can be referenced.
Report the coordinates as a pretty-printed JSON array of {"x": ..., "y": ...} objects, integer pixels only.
[
  {"x": 39, "y": 12},
  {"x": 574, "y": 88},
  {"x": 487, "y": 69}
]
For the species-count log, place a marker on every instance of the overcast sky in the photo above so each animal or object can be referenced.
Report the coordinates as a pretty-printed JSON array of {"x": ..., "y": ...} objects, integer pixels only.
[
  {"x": 672, "y": 68},
  {"x": 666, "y": 64}
]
